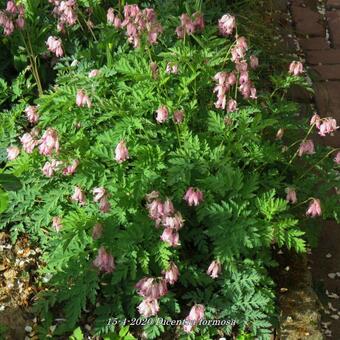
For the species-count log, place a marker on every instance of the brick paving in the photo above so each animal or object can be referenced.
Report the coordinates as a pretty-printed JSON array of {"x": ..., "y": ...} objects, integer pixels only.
[{"x": 317, "y": 28}]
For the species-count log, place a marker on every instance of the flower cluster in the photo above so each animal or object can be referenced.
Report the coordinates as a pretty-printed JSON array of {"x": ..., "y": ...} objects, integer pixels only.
[
  {"x": 138, "y": 22},
  {"x": 50, "y": 167},
  {"x": 324, "y": 125},
  {"x": 12, "y": 17},
  {"x": 152, "y": 289},
  {"x": 190, "y": 25},
  {"x": 65, "y": 11},
  {"x": 54, "y": 45},
  {"x": 163, "y": 213}
]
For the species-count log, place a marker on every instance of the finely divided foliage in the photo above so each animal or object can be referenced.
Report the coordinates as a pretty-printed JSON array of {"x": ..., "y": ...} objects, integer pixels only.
[{"x": 155, "y": 174}]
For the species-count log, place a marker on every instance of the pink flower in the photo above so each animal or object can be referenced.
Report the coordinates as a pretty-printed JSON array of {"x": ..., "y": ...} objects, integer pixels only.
[
  {"x": 12, "y": 152},
  {"x": 244, "y": 77},
  {"x": 152, "y": 288},
  {"x": 11, "y": 7},
  {"x": 82, "y": 99},
  {"x": 280, "y": 133},
  {"x": 162, "y": 114},
  {"x": 196, "y": 313},
  {"x": 314, "y": 208},
  {"x": 50, "y": 167},
  {"x": 195, "y": 316},
  {"x": 171, "y": 275},
  {"x": 104, "y": 205},
  {"x": 156, "y": 209},
  {"x": 337, "y": 158},
  {"x": 198, "y": 21},
  {"x": 98, "y": 193},
  {"x": 93, "y": 73},
  {"x": 148, "y": 307},
  {"x": 122, "y": 153},
  {"x": 49, "y": 142},
  {"x": 214, "y": 269},
  {"x": 171, "y": 68},
  {"x": 253, "y": 93},
  {"x": 178, "y": 116},
  {"x": 54, "y": 45},
  {"x": 57, "y": 223},
  {"x": 104, "y": 261},
  {"x": 226, "y": 24},
  {"x": 315, "y": 120},
  {"x": 168, "y": 208},
  {"x": 231, "y": 105},
  {"x": 32, "y": 114},
  {"x": 238, "y": 52},
  {"x": 306, "y": 147},
  {"x": 28, "y": 143},
  {"x": 110, "y": 16},
  {"x": 291, "y": 195},
  {"x": 97, "y": 231},
  {"x": 254, "y": 62},
  {"x": 176, "y": 221},
  {"x": 231, "y": 79},
  {"x": 78, "y": 196},
  {"x": 295, "y": 68},
  {"x": 241, "y": 65},
  {"x": 20, "y": 22},
  {"x": 328, "y": 125},
  {"x": 70, "y": 170},
  {"x": 171, "y": 237},
  {"x": 193, "y": 196}
]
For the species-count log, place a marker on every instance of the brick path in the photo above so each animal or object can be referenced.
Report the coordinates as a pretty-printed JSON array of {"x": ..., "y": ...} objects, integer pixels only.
[{"x": 317, "y": 27}]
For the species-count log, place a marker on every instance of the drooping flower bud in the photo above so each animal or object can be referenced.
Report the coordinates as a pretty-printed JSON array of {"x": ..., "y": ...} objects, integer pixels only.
[
  {"x": 12, "y": 152},
  {"x": 122, "y": 153},
  {"x": 314, "y": 208},
  {"x": 214, "y": 269}
]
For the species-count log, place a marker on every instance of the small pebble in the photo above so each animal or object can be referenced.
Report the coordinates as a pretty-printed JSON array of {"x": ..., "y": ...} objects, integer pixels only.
[
  {"x": 328, "y": 256},
  {"x": 28, "y": 329},
  {"x": 287, "y": 268},
  {"x": 332, "y": 275}
]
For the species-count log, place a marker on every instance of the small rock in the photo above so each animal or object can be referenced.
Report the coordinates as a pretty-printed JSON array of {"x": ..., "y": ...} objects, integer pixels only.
[
  {"x": 283, "y": 290},
  {"x": 88, "y": 327},
  {"x": 328, "y": 256},
  {"x": 332, "y": 275},
  {"x": 335, "y": 316},
  {"x": 28, "y": 329},
  {"x": 287, "y": 268}
]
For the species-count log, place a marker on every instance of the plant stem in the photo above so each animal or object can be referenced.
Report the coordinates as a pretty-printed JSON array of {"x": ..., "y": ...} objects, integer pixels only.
[
  {"x": 314, "y": 165},
  {"x": 33, "y": 62}
]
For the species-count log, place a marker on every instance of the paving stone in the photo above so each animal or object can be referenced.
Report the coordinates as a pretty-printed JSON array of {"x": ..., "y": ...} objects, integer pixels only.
[
  {"x": 308, "y": 22},
  {"x": 323, "y": 57},
  {"x": 313, "y": 44},
  {"x": 333, "y": 18},
  {"x": 326, "y": 72},
  {"x": 333, "y": 4}
]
